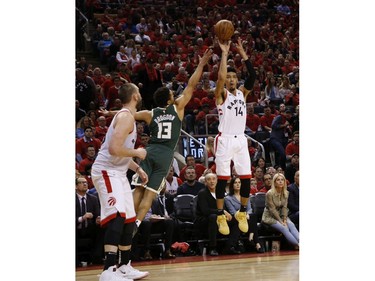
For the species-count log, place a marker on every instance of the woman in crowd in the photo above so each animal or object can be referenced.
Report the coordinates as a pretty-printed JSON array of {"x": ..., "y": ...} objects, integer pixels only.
[
  {"x": 276, "y": 210},
  {"x": 232, "y": 204}
]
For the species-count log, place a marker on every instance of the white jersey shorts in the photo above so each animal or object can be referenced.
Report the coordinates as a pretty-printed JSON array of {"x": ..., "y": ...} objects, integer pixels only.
[
  {"x": 115, "y": 195},
  {"x": 232, "y": 148}
]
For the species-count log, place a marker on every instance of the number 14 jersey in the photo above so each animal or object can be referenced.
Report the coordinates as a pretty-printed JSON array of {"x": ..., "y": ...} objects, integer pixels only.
[{"x": 232, "y": 114}]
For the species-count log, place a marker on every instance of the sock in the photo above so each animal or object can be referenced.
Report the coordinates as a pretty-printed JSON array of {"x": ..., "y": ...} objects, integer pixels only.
[
  {"x": 110, "y": 259},
  {"x": 243, "y": 208},
  {"x": 124, "y": 257},
  {"x": 220, "y": 212}
]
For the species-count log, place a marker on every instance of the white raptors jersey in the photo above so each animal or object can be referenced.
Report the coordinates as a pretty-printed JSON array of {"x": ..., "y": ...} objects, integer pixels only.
[
  {"x": 105, "y": 160},
  {"x": 232, "y": 114},
  {"x": 171, "y": 188}
]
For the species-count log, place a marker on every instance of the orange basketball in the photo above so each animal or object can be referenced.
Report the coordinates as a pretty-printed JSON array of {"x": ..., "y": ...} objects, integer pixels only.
[{"x": 224, "y": 30}]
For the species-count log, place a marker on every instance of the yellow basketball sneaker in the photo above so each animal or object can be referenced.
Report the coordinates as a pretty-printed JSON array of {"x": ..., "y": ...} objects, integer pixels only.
[
  {"x": 222, "y": 224},
  {"x": 242, "y": 221}
]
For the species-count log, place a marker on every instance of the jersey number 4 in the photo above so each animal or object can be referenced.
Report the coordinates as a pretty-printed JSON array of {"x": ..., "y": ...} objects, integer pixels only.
[{"x": 165, "y": 130}]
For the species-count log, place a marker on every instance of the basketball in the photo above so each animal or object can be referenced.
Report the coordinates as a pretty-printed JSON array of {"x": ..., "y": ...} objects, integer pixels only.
[{"x": 224, "y": 30}]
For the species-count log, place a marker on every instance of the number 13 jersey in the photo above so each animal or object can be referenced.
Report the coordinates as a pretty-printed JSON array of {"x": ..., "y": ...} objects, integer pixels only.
[
  {"x": 232, "y": 114},
  {"x": 165, "y": 127}
]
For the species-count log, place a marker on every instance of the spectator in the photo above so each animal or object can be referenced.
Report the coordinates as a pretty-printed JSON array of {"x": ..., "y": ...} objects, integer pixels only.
[
  {"x": 279, "y": 137},
  {"x": 206, "y": 216},
  {"x": 252, "y": 120},
  {"x": 84, "y": 122},
  {"x": 276, "y": 211},
  {"x": 267, "y": 118},
  {"x": 88, "y": 221},
  {"x": 89, "y": 160},
  {"x": 292, "y": 168},
  {"x": 85, "y": 89},
  {"x": 149, "y": 80},
  {"x": 172, "y": 182},
  {"x": 113, "y": 92},
  {"x": 84, "y": 142},
  {"x": 258, "y": 175},
  {"x": 272, "y": 91},
  {"x": 101, "y": 129},
  {"x": 142, "y": 37},
  {"x": 233, "y": 203},
  {"x": 191, "y": 184},
  {"x": 293, "y": 146},
  {"x": 190, "y": 162},
  {"x": 293, "y": 200},
  {"x": 80, "y": 113}
]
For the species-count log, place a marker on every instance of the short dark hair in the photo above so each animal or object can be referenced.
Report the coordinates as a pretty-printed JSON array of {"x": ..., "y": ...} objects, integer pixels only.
[
  {"x": 231, "y": 69},
  {"x": 161, "y": 96}
]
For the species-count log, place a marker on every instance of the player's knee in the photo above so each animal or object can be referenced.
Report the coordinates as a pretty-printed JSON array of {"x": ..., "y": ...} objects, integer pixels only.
[
  {"x": 220, "y": 189},
  {"x": 114, "y": 231},
  {"x": 127, "y": 234},
  {"x": 245, "y": 188}
]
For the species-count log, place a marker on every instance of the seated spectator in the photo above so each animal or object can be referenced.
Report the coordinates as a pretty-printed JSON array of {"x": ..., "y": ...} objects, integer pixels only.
[
  {"x": 293, "y": 146},
  {"x": 233, "y": 204},
  {"x": 212, "y": 121},
  {"x": 276, "y": 210},
  {"x": 252, "y": 120},
  {"x": 91, "y": 154},
  {"x": 172, "y": 183},
  {"x": 101, "y": 129},
  {"x": 190, "y": 161},
  {"x": 191, "y": 184},
  {"x": 272, "y": 91},
  {"x": 258, "y": 175},
  {"x": 266, "y": 119},
  {"x": 84, "y": 142},
  {"x": 267, "y": 181},
  {"x": 88, "y": 222},
  {"x": 158, "y": 220},
  {"x": 293, "y": 200},
  {"x": 292, "y": 168},
  {"x": 206, "y": 215},
  {"x": 83, "y": 123}
]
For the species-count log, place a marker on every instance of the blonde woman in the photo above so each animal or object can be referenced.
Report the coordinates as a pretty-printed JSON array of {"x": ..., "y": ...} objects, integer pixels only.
[{"x": 276, "y": 210}]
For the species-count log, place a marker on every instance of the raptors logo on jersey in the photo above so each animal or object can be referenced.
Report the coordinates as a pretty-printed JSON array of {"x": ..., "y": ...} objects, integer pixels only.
[{"x": 232, "y": 114}]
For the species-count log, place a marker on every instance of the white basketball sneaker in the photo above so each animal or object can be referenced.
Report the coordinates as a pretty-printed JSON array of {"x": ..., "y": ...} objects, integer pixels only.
[
  {"x": 130, "y": 272},
  {"x": 113, "y": 274}
]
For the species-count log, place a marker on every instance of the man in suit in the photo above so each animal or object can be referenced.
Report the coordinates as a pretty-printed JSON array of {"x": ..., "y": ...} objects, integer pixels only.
[
  {"x": 293, "y": 200},
  {"x": 206, "y": 215},
  {"x": 88, "y": 221}
]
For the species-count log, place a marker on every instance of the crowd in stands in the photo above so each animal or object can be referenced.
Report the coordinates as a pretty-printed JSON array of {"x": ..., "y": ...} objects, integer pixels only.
[{"x": 155, "y": 43}]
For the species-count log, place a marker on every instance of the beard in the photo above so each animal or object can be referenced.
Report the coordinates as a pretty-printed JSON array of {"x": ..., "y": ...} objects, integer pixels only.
[{"x": 139, "y": 105}]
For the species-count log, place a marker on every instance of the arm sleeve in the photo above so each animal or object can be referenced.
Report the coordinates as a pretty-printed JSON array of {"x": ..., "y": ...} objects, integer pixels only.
[{"x": 249, "y": 82}]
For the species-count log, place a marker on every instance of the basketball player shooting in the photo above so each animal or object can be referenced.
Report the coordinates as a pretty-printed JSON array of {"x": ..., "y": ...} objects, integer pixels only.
[{"x": 231, "y": 143}]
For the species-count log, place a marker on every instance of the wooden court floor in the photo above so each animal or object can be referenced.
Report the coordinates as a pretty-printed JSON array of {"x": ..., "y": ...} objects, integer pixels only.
[{"x": 282, "y": 266}]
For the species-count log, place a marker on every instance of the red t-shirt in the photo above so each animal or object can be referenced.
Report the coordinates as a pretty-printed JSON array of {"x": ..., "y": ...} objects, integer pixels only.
[{"x": 253, "y": 122}]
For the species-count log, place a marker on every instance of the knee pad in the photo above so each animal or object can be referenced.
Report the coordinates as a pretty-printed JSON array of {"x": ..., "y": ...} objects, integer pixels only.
[
  {"x": 114, "y": 231},
  {"x": 220, "y": 189},
  {"x": 245, "y": 188},
  {"x": 127, "y": 234}
]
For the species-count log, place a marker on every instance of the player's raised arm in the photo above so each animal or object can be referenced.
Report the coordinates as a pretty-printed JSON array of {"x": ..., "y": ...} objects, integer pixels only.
[
  {"x": 222, "y": 75},
  {"x": 249, "y": 82}
]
